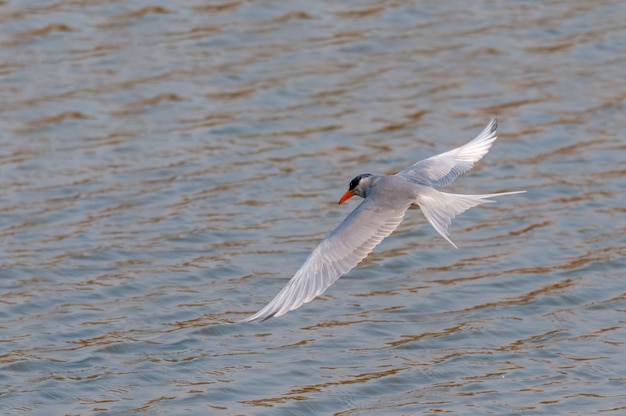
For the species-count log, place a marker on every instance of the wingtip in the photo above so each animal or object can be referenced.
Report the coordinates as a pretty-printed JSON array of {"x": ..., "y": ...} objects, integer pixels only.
[
  {"x": 254, "y": 318},
  {"x": 493, "y": 124},
  {"x": 260, "y": 316},
  {"x": 450, "y": 241}
]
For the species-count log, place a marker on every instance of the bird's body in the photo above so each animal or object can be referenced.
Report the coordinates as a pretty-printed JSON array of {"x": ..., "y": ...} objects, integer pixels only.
[{"x": 386, "y": 200}]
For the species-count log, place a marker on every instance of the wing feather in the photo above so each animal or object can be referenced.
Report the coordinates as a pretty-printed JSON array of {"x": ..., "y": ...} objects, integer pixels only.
[
  {"x": 442, "y": 169},
  {"x": 335, "y": 256}
]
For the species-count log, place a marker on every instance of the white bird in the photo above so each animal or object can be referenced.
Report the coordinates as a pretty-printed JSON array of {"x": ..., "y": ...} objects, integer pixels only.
[{"x": 386, "y": 200}]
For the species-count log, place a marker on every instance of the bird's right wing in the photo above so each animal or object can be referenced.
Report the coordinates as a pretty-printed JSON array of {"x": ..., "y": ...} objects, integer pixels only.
[
  {"x": 440, "y": 170},
  {"x": 336, "y": 255}
]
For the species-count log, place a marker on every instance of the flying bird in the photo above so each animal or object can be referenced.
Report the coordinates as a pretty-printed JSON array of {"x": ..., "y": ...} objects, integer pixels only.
[{"x": 386, "y": 198}]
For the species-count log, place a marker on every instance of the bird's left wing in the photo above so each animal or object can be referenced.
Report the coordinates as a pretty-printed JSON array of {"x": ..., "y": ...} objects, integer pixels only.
[
  {"x": 440, "y": 170},
  {"x": 335, "y": 256}
]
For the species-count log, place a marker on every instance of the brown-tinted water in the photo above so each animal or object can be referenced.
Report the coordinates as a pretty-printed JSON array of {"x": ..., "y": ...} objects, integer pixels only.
[{"x": 167, "y": 166}]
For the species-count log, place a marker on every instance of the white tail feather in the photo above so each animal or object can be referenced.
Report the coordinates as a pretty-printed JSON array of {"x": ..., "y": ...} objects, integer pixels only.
[{"x": 440, "y": 208}]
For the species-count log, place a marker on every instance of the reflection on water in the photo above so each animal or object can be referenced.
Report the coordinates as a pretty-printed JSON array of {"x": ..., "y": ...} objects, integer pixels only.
[{"x": 166, "y": 168}]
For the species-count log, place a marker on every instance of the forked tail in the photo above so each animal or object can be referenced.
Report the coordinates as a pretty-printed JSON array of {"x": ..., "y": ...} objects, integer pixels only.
[{"x": 440, "y": 208}]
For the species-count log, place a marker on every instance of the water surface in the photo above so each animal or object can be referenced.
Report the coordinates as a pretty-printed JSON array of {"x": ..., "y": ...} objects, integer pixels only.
[{"x": 167, "y": 166}]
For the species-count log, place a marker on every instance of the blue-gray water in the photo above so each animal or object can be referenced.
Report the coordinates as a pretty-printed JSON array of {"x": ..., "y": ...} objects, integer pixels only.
[{"x": 166, "y": 167}]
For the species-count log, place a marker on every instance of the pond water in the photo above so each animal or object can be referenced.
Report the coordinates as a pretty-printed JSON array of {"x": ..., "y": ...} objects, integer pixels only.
[{"x": 167, "y": 166}]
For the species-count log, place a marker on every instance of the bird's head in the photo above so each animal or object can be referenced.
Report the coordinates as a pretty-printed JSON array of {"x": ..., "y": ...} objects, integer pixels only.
[{"x": 358, "y": 186}]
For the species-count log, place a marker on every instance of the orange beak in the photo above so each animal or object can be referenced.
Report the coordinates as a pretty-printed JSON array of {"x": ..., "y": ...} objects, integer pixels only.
[{"x": 349, "y": 194}]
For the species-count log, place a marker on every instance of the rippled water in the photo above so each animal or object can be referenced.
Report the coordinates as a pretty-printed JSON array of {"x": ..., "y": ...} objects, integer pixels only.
[{"x": 167, "y": 166}]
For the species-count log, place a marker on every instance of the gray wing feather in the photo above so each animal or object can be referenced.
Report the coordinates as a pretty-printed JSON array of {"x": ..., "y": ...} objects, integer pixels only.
[
  {"x": 335, "y": 256},
  {"x": 440, "y": 170}
]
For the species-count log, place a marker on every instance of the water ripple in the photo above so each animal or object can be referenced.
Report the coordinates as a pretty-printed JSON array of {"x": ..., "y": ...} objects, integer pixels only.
[{"x": 166, "y": 168}]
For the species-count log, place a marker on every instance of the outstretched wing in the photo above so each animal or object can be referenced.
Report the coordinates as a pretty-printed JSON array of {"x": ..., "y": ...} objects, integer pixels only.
[
  {"x": 335, "y": 256},
  {"x": 440, "y": 170}
]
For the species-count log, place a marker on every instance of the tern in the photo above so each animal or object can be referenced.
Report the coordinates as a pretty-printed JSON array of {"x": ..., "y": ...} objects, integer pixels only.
[{"x": 386, "y": 198}]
